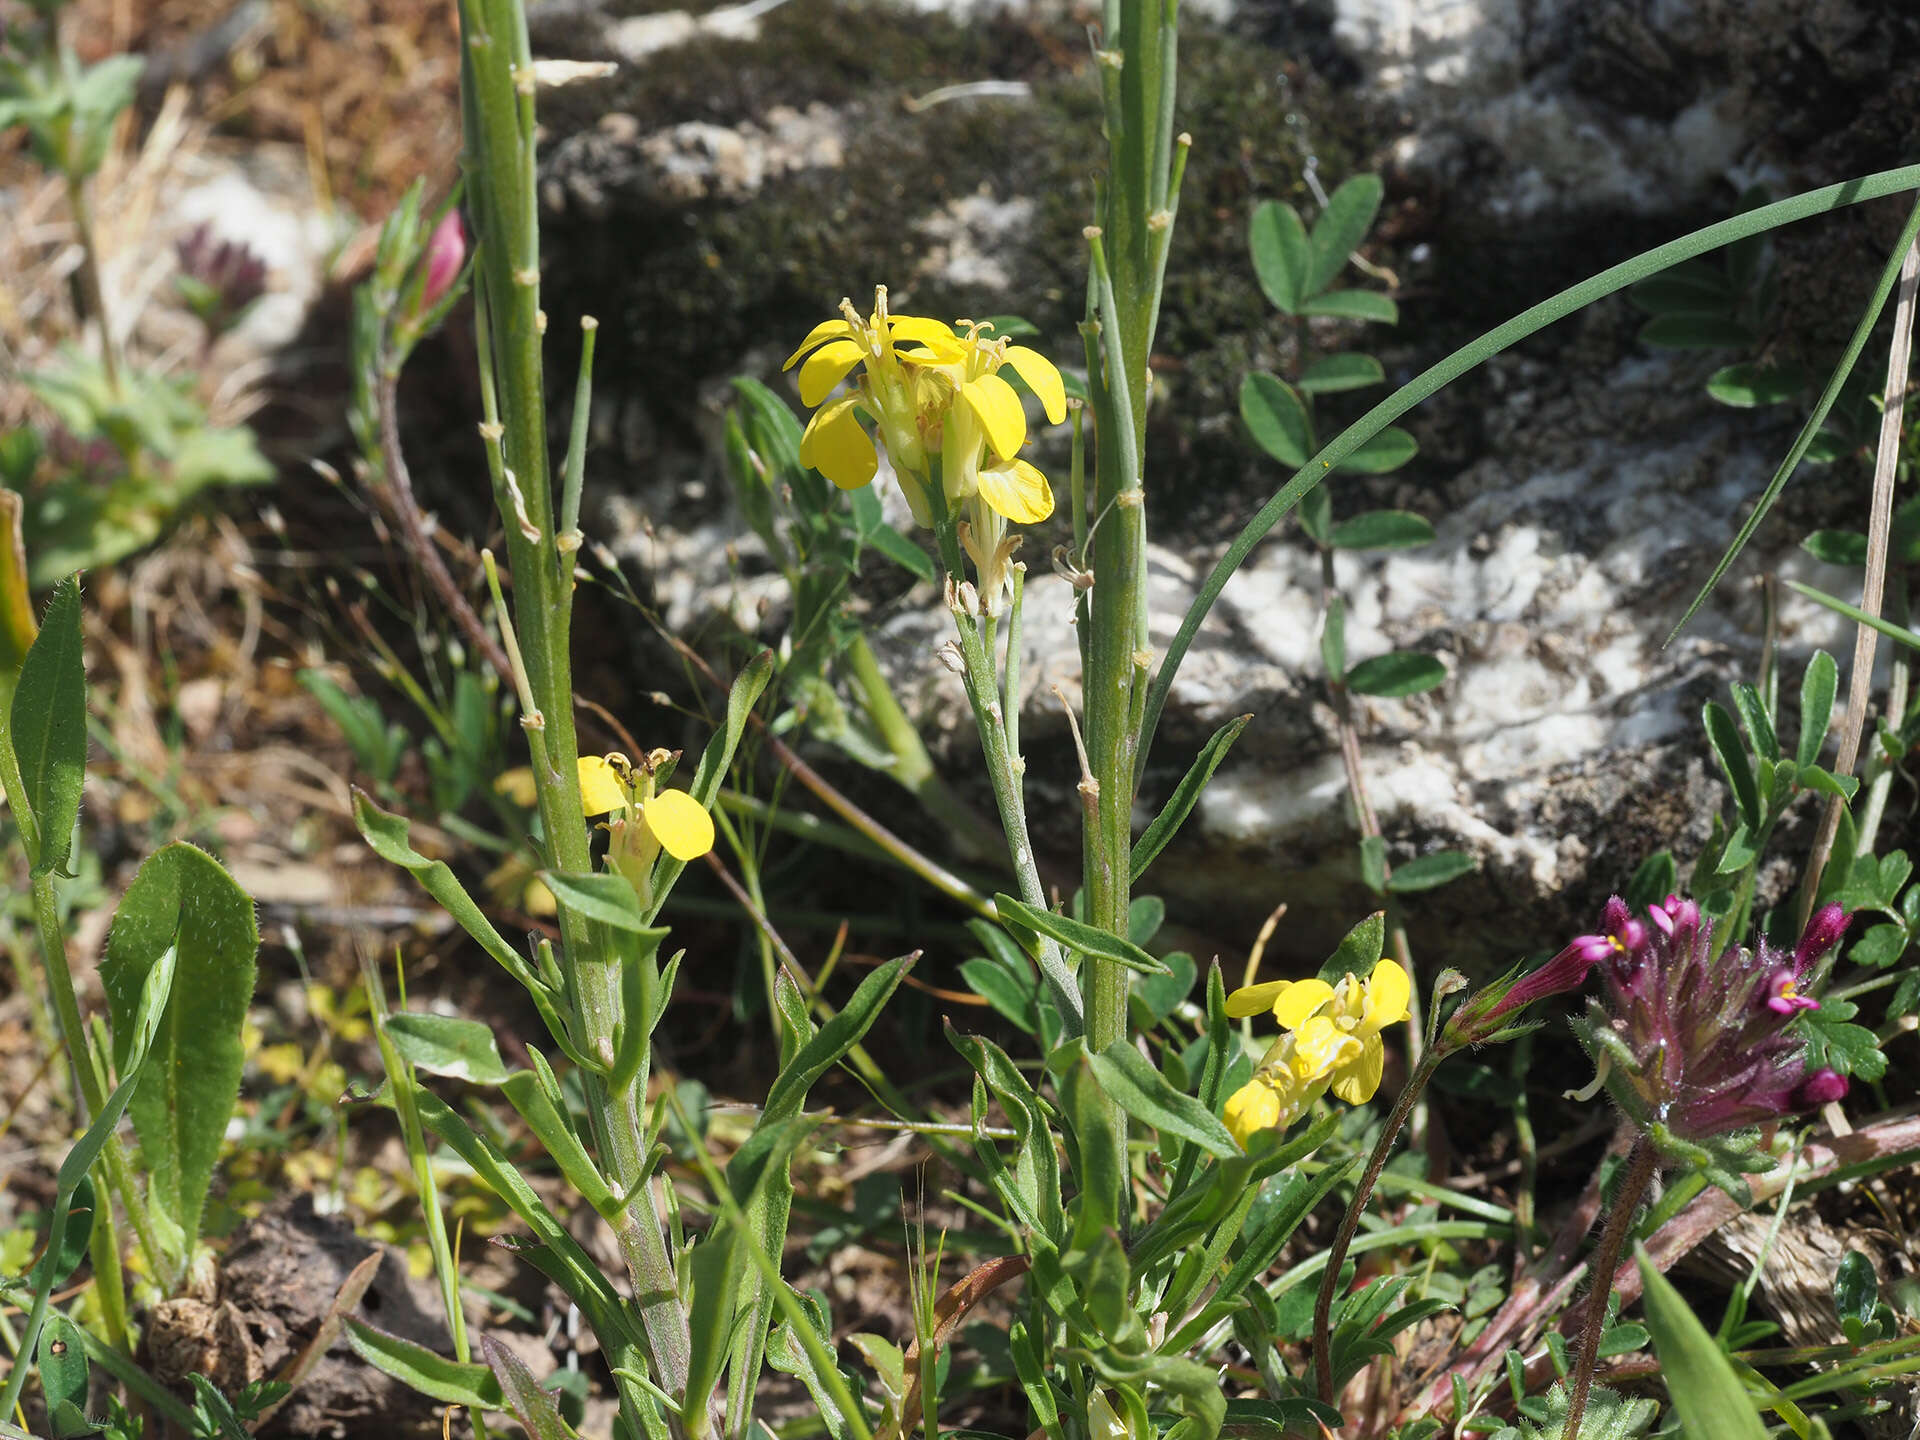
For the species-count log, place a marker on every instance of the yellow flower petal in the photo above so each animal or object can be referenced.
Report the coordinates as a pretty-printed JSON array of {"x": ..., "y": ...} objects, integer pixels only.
[
  {"x": 1356, "y": 1081},
  {"x": 601, "y": 789},
  {"x": 826, "y": 368},
  {"x": 997, "y": 407},
  {"x": 835, "y": 444},
  {"x": 1252, "y": 1108},
  {"x": 1017, "y": 490},
  {"x": 1388, "y": 991},
  {"x": 917, "y": 329},
  {"x": 1297, "y": 999},
  {"x": 825, "y": 330},
  {"x": 1321, "y": 1048},
  {"x": 517, "y": 785},
  {"x": 1252, "y": 999},
  {"x": 683, "y": 828},
  {"x": 1042, "y": 377}
]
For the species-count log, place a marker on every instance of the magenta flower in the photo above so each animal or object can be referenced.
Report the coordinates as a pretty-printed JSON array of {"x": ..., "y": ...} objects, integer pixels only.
[
  {"x": 1491, "y": 1009},
  {"x": 1701, "y": 1043}
]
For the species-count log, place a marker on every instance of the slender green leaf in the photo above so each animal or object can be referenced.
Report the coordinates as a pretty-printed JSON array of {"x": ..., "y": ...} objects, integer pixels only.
[
  {"x": 531, "y": 1406},
  {"x": 902, "y": 552},
  {"x": 1282, "y": 257},
  {"x": 1428, "y": 872},
  {"x": 447, "y": 1045},
  {"x": 1706, "y": 1390},
  {"x": 1080, "y": 936},
  {"x": 1003, "y": 990},
  {"x": 1383, "y": 530},
  {"x": 1353, "y": 305},
  {"x": 1734, "y": 764},
  {"x": 556, "y": 1135},
  {"x": 1157, "y": 836},
  {"x": 717, "y": 1269},
  {"x": 1131, "y": 1082},
  {"x": 1333, "y": 373},
  {"x": 607, "y": 897},
  {"x": 1400, "y": 672},
  {"x": 1342, "y": 228},
  {"x": 1276, "y": 417},
  {"x": 1752, "y": 711},
  {"x": 1817, "y": 688},
  {"x": 839, "y": 1035},
  {"x": 439, "y": 1377},
  {"x": 1898, "y": 633},
  {"x": 49, "y": 727},
  {"x": 560, "y": 1256},
  {"x": 387, "y": 835},
  {"x": 181, "y": 903}
]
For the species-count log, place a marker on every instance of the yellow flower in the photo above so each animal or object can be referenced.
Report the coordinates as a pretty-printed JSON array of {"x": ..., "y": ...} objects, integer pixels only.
[
  {"x": 932, "y": 389},
  {"x": 673, "y": 819},
  {"x": 1287, "y": 1081},
  {"x": 1337, "y": 1026},
  {"x": 887, "y": 391}
]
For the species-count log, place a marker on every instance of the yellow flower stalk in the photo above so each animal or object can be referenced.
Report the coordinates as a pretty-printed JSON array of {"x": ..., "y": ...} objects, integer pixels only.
[{"x": 1331, "y": 1041}]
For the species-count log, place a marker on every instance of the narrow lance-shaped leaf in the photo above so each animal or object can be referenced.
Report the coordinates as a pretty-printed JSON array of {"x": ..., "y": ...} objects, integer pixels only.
[
  {"x": 1817, "y": 688},
  {"x": 1706, "y": 1390},
  {"x": 49, "y": 727},
  {"x": 438, "y": 1377},
  {"x": 531, "y": 1406},
  {"x": 1078, "y": 935},
  {"x": 1131, "y": 1082},
  {"x": 1734, "y": 764},
  {"x": 447, "y": 1045},
  {"x": 1157, "y": 836}
]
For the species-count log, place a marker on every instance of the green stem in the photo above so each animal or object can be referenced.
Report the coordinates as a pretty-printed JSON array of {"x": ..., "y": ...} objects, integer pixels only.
[
  {"x": 497, "y": 105},
  {"x": 93, "y": 1094},
  {"x": 1606, "y": 1260},
  {"x": 913, "y": 767},
  {"x": 1004, "y": 770},
  {"x": 1350, "y": 1222},
  {"x": 90, "y": 283}
]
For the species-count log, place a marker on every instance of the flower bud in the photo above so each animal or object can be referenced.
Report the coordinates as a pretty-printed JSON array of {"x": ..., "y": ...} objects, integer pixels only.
[
  {"x": 446, "y": 253},
  {"x": 1822, "y": 1087}
]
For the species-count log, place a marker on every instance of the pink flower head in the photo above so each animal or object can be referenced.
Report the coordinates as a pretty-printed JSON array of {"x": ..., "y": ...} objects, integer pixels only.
[
  {"x": 1699, "y": 1040},
  {"x": 446, "y": 253},
  {"x": 1489, "y": 1010}
]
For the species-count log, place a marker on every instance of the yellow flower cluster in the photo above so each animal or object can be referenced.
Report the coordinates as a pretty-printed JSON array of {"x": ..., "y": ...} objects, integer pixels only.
[
  {"x": 642, "y": 823},
  {"x": 1330, "y": 1040},
  {"x": 933, "y": 392}
]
